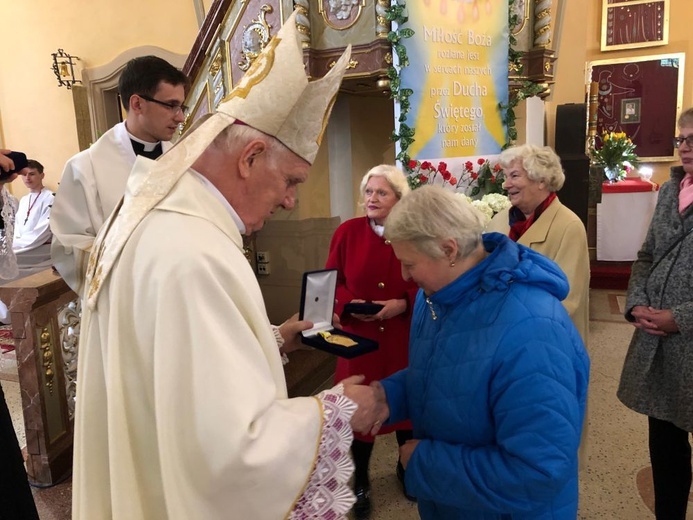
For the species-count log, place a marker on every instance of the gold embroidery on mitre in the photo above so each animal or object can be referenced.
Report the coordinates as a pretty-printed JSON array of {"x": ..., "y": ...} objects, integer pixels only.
[{"x": 258, "y": 71}]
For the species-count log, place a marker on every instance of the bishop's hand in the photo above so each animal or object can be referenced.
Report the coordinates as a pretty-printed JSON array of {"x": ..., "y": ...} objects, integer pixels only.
[{"x": 372, "y": 406}]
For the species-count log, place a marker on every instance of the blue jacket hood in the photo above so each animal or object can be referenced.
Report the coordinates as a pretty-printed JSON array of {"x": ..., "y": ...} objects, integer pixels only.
[{"x": 507, "y": 263}]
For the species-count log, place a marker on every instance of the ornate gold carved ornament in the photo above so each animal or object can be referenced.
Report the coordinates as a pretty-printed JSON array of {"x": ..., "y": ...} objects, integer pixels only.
[
  {"x": 256, "y": 35},
  {"x": 47, "y": 357},
  {"x": 216, "y": 63},
  {"x": 303, "y": 20},
  {"x": 383, "y": 24},
  {"x": 336, "y": 11},
  {"x": 352, "y": 64},
  {"x": 542, "y": 23},
  {"x": 69, "y": 319}
]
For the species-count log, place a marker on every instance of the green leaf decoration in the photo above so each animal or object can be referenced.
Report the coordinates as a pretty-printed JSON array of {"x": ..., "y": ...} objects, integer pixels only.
[{"x": 392, "y": 37}]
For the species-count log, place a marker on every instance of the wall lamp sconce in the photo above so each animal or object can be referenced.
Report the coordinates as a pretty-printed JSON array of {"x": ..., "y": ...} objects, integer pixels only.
[{"x": 64, "y": 69}]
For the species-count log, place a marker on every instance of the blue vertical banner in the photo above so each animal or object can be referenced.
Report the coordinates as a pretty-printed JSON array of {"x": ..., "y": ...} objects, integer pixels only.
[{"x": 458, "y": 71}]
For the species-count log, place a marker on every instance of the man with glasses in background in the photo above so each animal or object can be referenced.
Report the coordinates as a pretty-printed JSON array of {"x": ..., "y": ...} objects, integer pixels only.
[{"x": 152, "y": 92}]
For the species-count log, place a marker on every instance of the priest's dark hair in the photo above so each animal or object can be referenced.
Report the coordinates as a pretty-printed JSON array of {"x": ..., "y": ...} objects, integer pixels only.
[{"x": 142, "y": 76}]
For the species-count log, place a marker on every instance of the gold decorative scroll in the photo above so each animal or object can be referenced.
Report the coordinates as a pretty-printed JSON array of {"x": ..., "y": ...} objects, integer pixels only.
[{"x": 47, "y": 358}]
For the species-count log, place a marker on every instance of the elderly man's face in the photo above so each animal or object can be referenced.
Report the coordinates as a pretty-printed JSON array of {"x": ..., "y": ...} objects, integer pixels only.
[{"x": 273, "y": 185}]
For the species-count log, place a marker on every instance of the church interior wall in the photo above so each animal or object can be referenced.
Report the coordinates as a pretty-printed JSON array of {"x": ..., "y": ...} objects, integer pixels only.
[
  {"x": 38, "y": 117},
  {"x": 578, "y": 42},
  {"x": 372, "y": 121}
]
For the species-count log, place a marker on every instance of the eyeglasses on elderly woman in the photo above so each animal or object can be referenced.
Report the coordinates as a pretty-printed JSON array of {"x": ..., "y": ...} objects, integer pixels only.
[{"x": 678, "y": 141}]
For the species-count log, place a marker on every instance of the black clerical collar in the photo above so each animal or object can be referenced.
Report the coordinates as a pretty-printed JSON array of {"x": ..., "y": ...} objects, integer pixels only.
[{"x": 139, "y": 149}]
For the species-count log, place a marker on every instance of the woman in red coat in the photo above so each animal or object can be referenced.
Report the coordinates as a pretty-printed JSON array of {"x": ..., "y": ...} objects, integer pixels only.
[{"x": 368, "y": 271}]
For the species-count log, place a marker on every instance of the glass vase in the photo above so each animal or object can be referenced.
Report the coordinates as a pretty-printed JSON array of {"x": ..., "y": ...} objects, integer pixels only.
[{"x": 611, "y": 174}]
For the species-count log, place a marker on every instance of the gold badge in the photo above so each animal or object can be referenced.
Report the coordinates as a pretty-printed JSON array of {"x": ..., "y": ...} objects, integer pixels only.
[{"x": 337, "y": 339}]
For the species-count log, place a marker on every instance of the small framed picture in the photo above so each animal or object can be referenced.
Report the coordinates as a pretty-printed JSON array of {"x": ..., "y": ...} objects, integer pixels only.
[{"x": 630, "y": 111}]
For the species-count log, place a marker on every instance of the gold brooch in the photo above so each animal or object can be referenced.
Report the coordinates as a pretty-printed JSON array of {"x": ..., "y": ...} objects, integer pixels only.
[{"x": 337, "y": 339}]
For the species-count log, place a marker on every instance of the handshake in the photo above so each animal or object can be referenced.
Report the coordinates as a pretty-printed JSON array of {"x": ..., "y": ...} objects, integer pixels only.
[{"x": 372, "y": 409}]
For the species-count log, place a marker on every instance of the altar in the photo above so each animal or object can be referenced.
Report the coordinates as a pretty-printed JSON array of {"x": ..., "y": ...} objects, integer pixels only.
[{"x": 623, "y": 217}]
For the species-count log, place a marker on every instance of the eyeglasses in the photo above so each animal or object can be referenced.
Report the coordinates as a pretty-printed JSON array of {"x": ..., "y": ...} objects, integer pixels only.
[
  {"x": 678, "y": 141},
  {"x": 171, "y": 106}
]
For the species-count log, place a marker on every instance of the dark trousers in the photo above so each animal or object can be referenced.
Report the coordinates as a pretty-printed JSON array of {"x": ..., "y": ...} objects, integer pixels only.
[
  {"x": 670, "y": 454},
  {"x": 361, "y": 451},
  {"x": 16, "y": 500}
]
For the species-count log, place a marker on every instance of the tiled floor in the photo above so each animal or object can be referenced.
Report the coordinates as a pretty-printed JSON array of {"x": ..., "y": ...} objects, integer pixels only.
[{"x": 616, "y": 484}]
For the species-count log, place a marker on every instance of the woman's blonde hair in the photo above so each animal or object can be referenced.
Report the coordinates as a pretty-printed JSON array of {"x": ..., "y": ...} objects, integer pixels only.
[
  {"x": 540, "y": 162},
  {"x": 431, "y": 214},
  {"x": 393, "y": 175}
]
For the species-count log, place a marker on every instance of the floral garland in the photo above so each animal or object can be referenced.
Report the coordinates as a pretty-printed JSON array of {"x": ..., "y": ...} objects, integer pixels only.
[{"x": 487, "y": 178}]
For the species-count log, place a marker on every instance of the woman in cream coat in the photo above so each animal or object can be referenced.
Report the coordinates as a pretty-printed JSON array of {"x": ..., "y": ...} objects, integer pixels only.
[{"x": 538, "y": 220}]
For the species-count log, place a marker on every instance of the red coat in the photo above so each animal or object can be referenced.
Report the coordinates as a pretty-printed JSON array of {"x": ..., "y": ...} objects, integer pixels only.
[{"x": 369, "y": 270}]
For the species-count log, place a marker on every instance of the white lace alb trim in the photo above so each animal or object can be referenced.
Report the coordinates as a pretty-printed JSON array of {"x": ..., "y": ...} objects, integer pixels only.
[{"x": 328, "y": 495}]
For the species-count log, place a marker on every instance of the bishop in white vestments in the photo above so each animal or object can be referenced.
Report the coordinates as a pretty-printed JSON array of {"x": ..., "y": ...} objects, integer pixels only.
[{"x": 182, "y": 407}]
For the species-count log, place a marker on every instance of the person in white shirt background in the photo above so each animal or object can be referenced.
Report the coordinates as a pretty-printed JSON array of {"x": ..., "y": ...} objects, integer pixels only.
[
  {"x": 32, "y": 233},
  {"x": 31, "y": 238}
]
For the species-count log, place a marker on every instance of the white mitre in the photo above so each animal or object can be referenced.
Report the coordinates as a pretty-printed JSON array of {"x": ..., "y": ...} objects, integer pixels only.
[{"x": 274, "y": 96}]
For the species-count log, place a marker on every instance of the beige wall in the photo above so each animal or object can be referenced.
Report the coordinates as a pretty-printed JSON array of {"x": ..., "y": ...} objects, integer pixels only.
[
  {"x": 36, "y": 116},
  {"x": 579, "y": 43},
  {"x": 372, "y": 121}
]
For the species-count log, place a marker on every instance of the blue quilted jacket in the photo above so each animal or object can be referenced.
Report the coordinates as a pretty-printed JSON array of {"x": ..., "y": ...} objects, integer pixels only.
[{"x": 496, "y": 390}]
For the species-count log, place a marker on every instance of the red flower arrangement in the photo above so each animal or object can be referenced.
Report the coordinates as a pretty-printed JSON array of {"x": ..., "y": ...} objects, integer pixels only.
[
  {"x": 425, "y": 173},
  {"x": 486, "y": 178}
]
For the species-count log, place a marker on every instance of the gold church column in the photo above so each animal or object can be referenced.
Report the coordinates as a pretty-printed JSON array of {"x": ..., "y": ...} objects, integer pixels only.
[{"x": 542, "y": 23}]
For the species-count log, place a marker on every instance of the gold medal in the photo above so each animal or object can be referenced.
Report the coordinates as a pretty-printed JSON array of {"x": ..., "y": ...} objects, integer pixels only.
[{"x": 336, "y": 339}]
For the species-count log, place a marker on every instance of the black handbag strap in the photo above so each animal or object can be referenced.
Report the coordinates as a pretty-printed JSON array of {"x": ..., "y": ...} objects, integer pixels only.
[{"x": 670, "y": 249}]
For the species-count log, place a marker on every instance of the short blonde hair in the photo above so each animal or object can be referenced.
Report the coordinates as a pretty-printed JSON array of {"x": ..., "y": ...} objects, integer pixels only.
[
  {"x": 431, "y": 214},
  {"x": 540, "y": 162},
  {"x": 394, "y": 177},
  {"x": 686, "y": 118}
]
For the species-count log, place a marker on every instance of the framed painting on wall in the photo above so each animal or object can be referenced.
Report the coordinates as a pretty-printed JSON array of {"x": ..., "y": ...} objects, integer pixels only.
[
  {"x": 642, "y": 97},
  {"x": 630, "y": 24}
]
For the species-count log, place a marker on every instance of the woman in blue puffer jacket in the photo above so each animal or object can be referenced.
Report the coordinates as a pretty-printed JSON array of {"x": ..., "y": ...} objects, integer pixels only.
[{"x": 497, "y": 378}]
